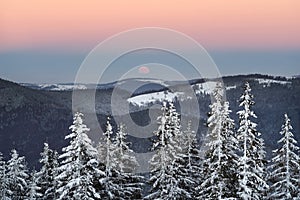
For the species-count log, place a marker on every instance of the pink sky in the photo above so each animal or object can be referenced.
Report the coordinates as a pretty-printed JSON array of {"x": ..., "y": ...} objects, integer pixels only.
[{"x": 216, "y": 24}]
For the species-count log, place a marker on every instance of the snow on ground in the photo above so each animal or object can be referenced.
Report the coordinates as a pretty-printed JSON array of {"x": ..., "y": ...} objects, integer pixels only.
[
  {"x": 145, "y": 99},
  {"x": 200, "y": 88},
  {"x": 205, "y": 88},
  {"x": 268, "y": 82},
  {"x": 231, "y": 87},
  {"x": 61, "y": 87},
  {"x": 158, "y": 81}
]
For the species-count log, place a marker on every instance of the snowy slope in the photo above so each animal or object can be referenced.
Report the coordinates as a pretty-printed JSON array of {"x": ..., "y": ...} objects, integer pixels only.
[
  {"x": 127, "y": 84},
  {"x": 268, "y": 82},
  {"x": 150, "y": 98},
  {"x": 62, "y": 87},
  {"x": 56, "y": 87},
  {"x": 207, "y": 87},
  {"x": 146, "y": 99},
  {"x": 204, "y": 88}
]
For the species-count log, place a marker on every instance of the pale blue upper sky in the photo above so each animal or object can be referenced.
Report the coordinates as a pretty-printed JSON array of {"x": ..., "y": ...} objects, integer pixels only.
[{"x": 61, "y": 67}]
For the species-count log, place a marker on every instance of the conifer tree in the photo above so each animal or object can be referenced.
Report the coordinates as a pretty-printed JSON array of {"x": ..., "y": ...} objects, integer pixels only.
[
  {"x": 17, "y": 176},
  {"x": 220, "y": 159},
  {"x": 33, "y": 192},
  {"x": 160, "y": 160},
  {"x": 46, "y": 176},
  {"x": 126, "y": 164},
  {"x": 230, "y": 148},
  {"x": 106, "y": 148},
  {"x": 124, "y": 156},
  {"x": 79, "y": 166},
  {"x": 166, "y": 162},
  {"x": 191, "y": 161},
  {"x": 251, "y": 169},
  {"x": 3, "y": 179},
  {"x": 285, "y": 168},
  {"x": 181, "y": 142}
]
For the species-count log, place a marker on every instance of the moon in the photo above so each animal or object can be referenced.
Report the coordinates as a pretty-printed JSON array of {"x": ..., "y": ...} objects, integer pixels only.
[{"x": 144, "y": 70}]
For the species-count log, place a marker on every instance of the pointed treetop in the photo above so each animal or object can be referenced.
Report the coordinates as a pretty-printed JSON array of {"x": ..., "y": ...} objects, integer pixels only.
[
  {"x": 218, "y": 92},
  {"x": 247, "y": 86},
  {"x": 246, "y": 99},
  {"x": 287, "y": 122},
  {"x": 108, "y": 131},
  {"x": 14, "y": 154},
  {"x": 78, "y": 118}
]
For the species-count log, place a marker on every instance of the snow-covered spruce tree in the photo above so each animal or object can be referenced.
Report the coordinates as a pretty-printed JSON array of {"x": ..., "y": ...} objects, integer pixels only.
[
  {"x": 230, "y": 148},
  {"x": 124, "y": 156},
  {"x": 166, "y": 162},
  {"x": 106, "y": 148},
  {"x": 220, "y": 159},
  {"x": 79, "y": 166},
  {"x": 183, "y": 152},
  {"x": 285, "y": 168},
  {"x": 17, "y": 176},
  {"x": 191, "y": 161},
  {"x": 3, "y": 179},
  {"x": 251, "y": 169},
  {"x": 46, "y": 176},
  {"x": 126, "y": 164},
  {"x": 33, "y": 188}
]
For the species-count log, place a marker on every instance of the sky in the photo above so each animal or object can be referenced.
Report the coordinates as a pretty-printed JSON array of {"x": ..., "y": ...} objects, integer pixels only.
[{"x": 46, "y": 41}]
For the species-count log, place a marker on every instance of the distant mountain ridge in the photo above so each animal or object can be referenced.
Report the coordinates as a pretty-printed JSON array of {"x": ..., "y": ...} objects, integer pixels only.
[
  {"x": 83, "y": 86},
  {"x": 31, "y": 114}
]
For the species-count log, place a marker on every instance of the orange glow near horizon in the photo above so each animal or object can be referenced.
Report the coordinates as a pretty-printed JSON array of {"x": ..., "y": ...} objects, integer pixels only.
[{"x": 250, "y": 24}]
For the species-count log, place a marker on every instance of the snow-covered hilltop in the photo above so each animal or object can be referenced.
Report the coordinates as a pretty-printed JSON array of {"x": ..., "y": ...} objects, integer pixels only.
[
  {"x": 267, "y": 82},
  {"x": 150, "y": 98},
  {"x": 125, "y": 84},
  {"x": 56, "y": 87},
  {"x": 153, "y": 90},
  {"x": 146, "y": 99},
  {"x": 201, "y": 86}
]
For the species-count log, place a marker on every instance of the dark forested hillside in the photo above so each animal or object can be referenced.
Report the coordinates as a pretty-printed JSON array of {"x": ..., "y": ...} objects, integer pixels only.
[{"x": 29, "y": 117}]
